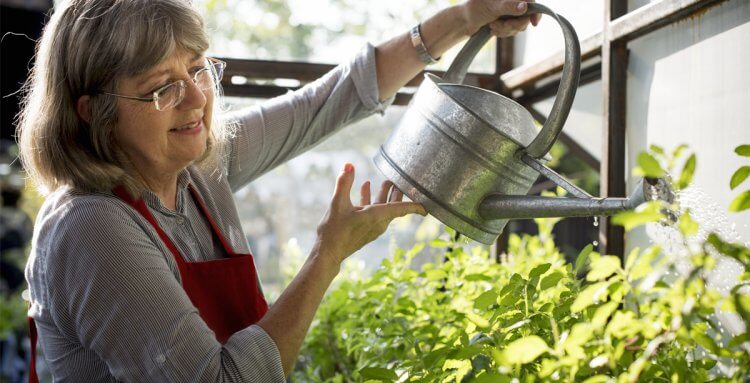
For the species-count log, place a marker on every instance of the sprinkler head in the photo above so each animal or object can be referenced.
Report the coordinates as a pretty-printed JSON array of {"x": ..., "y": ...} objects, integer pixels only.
[{"x": 661, "y": 189}]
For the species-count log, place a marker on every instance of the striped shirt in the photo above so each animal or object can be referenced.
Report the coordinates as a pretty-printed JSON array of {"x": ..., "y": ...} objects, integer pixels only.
[{"x": 105, "y": 291}]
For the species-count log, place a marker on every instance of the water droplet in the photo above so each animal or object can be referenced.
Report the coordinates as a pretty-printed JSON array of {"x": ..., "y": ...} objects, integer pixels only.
[
  {"x": 596, "y": 221},
  {"x": 595, "y": 243}
]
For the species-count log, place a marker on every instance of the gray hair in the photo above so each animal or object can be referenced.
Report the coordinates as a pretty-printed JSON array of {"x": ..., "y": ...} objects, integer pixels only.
[{"x": 86, "y": 48}]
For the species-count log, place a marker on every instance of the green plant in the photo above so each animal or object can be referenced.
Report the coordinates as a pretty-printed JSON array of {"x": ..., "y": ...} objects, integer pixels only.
[
  {"x": 466, "y": 318},
  {"x": 741, "y": 201}
]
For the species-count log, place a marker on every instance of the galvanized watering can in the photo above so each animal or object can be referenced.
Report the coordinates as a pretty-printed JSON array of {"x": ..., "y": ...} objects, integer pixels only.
[{"x": 470, "y": 155}]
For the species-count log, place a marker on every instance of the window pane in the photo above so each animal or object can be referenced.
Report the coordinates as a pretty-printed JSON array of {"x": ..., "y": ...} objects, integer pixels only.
[{"x": 321, "y": 31}]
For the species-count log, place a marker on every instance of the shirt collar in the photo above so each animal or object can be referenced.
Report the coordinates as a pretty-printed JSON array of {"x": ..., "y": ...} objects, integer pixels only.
[{"x": 153, "y": 201}]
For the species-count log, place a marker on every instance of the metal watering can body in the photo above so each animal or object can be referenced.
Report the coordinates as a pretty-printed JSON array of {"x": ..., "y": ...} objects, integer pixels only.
[{"x": 470, "y": 155}]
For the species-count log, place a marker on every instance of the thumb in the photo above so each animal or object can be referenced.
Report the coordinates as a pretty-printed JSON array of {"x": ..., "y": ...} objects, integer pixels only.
[
  {"x": 512, "y": 8},
  {"x": 343, "y": 188}
]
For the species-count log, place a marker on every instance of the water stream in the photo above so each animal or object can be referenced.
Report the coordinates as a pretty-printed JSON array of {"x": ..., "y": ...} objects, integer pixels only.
[{"x": 711, "y": 218}]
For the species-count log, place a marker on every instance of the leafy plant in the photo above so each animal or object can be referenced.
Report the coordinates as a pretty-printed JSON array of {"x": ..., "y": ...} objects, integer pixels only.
[
  {"x": 741, "y": 201},
  {"x": 464, "y": 317}
]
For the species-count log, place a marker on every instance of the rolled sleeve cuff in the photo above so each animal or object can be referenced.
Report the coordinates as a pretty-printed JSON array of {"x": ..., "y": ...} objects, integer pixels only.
[
  {"x": 263, "y": 361},
  {"x": 364, "y": 75}
]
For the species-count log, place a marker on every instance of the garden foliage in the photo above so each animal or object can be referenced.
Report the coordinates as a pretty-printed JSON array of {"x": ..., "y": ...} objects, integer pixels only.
[{"x": 535, "y": 318}]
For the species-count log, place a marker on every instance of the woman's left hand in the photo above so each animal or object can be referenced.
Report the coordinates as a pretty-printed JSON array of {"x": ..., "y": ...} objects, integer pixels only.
[{"x": 505, "y": 17}]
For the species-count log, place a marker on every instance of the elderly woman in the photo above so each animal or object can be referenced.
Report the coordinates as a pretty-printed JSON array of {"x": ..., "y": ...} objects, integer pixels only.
[{"x": 139, "y": 269}]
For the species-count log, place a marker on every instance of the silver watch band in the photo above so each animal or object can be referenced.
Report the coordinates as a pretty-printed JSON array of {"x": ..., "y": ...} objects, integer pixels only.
[{"x": 416, "y": 41}]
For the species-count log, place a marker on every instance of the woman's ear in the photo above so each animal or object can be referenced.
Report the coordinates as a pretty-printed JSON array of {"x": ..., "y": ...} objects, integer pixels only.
[{"x": 83, "y": 108}]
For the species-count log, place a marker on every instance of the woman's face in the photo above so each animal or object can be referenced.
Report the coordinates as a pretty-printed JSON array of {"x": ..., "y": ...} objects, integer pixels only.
[{"x": 162, "y": 143}]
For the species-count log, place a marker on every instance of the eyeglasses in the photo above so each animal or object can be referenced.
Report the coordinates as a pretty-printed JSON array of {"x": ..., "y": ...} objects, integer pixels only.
[{"x": 172, "y": 94}]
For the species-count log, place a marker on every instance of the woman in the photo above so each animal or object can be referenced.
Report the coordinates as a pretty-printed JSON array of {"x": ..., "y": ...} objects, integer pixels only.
[{"x": 139, "y": 269}]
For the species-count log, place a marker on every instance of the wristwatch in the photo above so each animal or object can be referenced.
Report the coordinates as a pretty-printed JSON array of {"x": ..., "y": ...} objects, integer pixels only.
[{"x": 416, "y": 40}]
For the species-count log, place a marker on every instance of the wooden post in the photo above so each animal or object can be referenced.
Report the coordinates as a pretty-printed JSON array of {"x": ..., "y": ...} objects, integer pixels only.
[
  {"x": 503, "y": 63},
  {"x": 614, "y": 81}
]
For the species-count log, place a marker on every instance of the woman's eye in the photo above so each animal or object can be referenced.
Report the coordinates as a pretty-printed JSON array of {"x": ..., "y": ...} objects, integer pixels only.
[{"x": 156, "y": 88}]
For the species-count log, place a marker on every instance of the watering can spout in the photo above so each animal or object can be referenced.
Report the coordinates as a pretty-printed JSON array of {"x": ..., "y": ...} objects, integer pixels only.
[{"x": 497, "y": 206}]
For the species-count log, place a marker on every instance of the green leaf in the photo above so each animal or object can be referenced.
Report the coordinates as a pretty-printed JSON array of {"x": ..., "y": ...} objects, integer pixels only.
[
  {"x": 465, "y": 352},
  {"x": 631, "y": 258},
  {"x": 678, "y": 150},
  {"x": 435, "y": 274},
  {"x": 551, "y": 280},
  {"x": 492, "y": 378},
  {"x": 738, "y": 252},
  {"x": 602, "y": 267},
  {"x": 704, "y": 340},
  {"x": 524, "y": 350},
  {"x": 686, "y": 176},
  {"x": 739, "y": 339},
  {"x": 648, "y": 212},
  {"x": 539, "y": 270},
  {"x": 583, "y": 256},
  {"x": 741, "y": 202},
  {"x": 602, "y": 313},
  {"x": 378, "y": 373},
  {"x": 650, "y": 166},
  {"x": 705, "y": 364},
  {"x": 478, "y": 320},
  {"x": 598, "y": 379},
  {"x": 739, "y": 176},
  {"x": 590, "y": 295},
  {"x": 485, "y": 300},
  {"x": 656, "y": 149},
  {"x": 478, "y": 277},
  {"x": 439, "y": 243},
  {"x": 642, "y": 264},
  {"x": 743, "y": 150},
  {"x": 435, "y": 356},
  {"x": 687, "y": 225}
]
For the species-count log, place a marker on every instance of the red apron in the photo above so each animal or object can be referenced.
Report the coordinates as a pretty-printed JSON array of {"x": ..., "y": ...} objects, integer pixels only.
[{"x": 225, "y": 291}]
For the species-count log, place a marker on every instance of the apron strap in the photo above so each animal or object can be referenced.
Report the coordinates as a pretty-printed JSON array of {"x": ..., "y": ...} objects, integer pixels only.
[
  {"x": 33, "y": 378},
  {"x": 141, "y": 207},
  {"x": 214, "y": 226}
]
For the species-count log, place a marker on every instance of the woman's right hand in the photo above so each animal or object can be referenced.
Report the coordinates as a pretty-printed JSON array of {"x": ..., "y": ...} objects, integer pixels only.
[{"x": 346, "y": 228}]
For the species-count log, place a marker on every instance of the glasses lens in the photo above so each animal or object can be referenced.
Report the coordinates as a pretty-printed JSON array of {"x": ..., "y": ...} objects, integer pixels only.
[
  {"x": 207, "y": 77},
  {"x": 170, "y": 95}
]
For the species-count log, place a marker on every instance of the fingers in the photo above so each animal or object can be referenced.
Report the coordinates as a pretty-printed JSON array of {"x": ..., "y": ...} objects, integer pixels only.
[
  {"x": 396, "y": 195},
  {"x": 511, "y": 8},
  {"x": 364, "y": 193},
  {"x": 509, "y": 27},
  {"x": 393, "y": 210},
  {"x": 382, "y": 196},
  {"x": 344, "y": 183},
  {"x": 535, "y": 17}
]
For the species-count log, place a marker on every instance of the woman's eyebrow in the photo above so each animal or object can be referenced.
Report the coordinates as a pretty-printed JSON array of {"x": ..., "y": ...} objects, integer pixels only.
[{"x": 147, "y": 77}]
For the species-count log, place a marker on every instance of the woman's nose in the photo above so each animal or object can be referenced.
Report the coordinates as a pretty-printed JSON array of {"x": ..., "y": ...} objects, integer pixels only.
[{"x": 195, "y": 97}]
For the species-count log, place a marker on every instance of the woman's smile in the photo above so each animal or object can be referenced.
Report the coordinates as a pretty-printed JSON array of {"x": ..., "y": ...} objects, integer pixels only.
[{"x": 190, "y": 129}]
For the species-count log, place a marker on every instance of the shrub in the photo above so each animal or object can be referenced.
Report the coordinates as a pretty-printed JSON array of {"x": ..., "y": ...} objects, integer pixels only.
[{"x": 535, "y": 318}]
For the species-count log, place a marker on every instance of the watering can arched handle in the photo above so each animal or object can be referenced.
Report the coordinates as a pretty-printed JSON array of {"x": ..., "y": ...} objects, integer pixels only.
[{"x": 565, "y": 92}]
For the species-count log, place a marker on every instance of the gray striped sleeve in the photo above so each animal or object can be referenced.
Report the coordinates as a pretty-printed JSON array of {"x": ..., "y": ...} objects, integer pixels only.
[{"x": 280, "y": 129}]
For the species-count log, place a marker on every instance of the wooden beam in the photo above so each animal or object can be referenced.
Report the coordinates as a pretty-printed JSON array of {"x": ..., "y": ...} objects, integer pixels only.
[
  {"x": 625, "y": 28},
  {"x": 614, "y": 92},
  {"x": 270, "y": 91},
  {"x": 527, "y": 75},
  {"x": 589, "y": 74},
  {"x": 653, "y": 16},
  {"x": 305, "y": 72}
]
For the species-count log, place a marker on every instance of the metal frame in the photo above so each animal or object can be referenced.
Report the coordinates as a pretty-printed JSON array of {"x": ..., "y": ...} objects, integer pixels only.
[{"x": 604, "y": 55}]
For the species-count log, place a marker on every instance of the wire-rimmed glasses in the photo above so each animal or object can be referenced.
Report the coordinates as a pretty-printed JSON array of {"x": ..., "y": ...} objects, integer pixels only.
[{"x": 172, "y": 94}]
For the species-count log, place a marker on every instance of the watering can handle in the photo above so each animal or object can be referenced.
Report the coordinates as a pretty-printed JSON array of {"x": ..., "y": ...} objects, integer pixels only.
[{"x": 565, "y": 92}]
